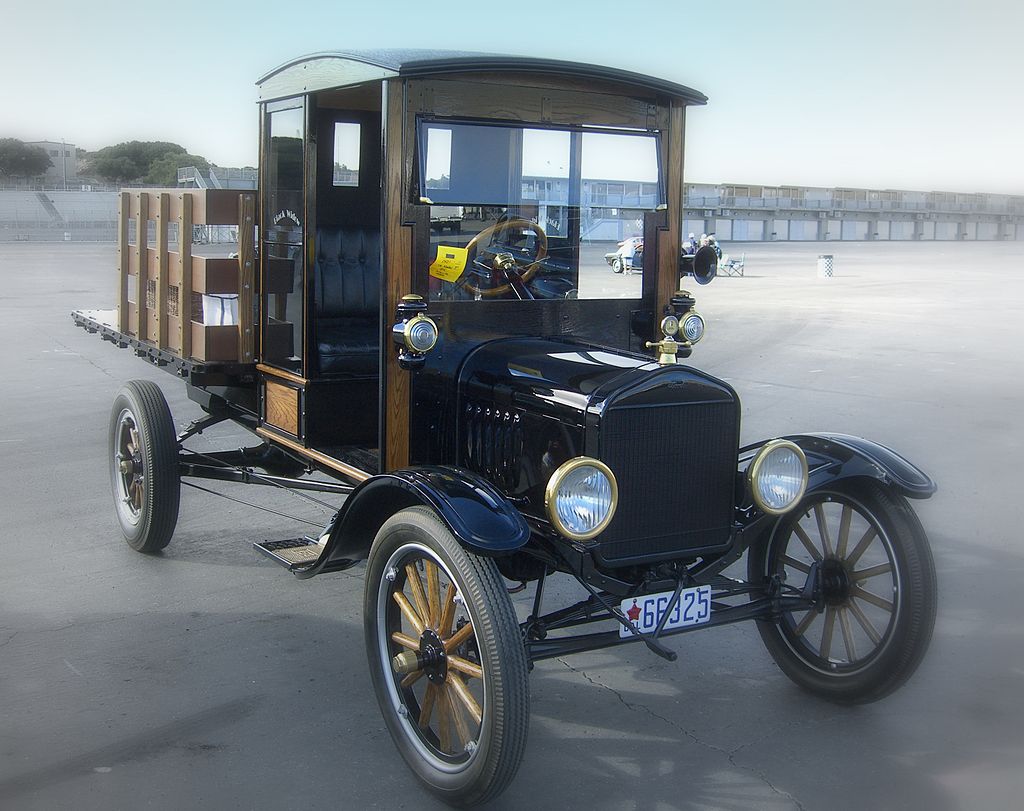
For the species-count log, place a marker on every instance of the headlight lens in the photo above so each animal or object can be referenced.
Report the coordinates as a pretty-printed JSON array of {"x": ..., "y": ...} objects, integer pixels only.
[
  {"x": 581, "y": 497},
  {"x": 421, "y": 334},
  {"x": 670, "y": 325},
  {"x": 693, "y": 327},
  {"x": 778, "y": 476}
]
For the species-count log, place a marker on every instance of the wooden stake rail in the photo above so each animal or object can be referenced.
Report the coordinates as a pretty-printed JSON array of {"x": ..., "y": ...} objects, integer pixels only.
[{"x": 156, "y": 284}]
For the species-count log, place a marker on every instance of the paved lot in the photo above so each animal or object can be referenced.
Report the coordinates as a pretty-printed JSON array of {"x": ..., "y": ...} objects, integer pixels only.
[{"x": 208, "y": 677}]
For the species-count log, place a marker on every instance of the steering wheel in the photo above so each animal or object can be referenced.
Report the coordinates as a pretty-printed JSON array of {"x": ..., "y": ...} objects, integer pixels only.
[{"x": 532, "y": 266}]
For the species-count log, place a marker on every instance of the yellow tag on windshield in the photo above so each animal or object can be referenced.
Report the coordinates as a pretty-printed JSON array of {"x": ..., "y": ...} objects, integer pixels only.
[{"x": 449, "y": 264}]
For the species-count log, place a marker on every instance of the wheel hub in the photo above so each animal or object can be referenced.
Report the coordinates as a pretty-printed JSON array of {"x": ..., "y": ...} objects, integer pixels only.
[
  {"x": 835, "y": 582},
  {"x": 432, "y": 656}
]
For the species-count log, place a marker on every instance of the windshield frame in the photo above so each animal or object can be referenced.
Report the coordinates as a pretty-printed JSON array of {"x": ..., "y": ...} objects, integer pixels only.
[{"x": 421, "y": 195}]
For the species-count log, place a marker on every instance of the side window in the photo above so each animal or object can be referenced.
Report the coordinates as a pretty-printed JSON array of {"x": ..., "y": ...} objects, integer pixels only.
[{"x": 346, "y": 154}]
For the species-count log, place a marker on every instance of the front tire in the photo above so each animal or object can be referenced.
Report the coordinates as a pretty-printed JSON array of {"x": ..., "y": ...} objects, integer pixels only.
[
  {"x": 878, "y": 592},
  {"x": 144, "y": 474},
  {"x": 446, "y": 659},
  {"x": 618, "y": 265}
]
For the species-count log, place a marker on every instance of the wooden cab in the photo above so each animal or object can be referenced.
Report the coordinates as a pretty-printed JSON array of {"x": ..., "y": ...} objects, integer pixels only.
[{"x": 348, "y": 226}]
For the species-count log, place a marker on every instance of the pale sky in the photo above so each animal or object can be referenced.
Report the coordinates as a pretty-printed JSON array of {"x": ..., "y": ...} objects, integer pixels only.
[{"x": 912, "y": 95}]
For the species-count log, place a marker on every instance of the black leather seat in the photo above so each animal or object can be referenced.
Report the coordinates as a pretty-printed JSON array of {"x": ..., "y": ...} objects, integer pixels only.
[{"x": 347, "y": 294}]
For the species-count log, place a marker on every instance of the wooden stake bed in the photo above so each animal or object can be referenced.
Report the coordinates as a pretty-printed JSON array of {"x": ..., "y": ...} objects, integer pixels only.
[{"x": 194, "y": 301}]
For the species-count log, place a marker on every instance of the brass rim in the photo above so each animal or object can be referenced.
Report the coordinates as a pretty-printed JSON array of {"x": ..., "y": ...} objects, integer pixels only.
[
  {"x": 551, "y": 491},
  {"x": 129, "y": 468},
  {"x": 429, "y": 649},
  {"x": 497, "y": 228},
  {"x": 755, "y": 467},
  {"x": 861, "y": 584}
]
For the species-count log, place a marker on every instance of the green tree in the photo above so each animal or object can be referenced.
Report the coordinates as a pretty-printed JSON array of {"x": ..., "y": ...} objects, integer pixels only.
[
  {"x": 18, "y": 159},
  {"x": 132, "y": 161}
]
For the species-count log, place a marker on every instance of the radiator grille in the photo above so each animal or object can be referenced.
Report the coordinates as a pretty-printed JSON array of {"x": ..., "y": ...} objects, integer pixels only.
[{"x": 676, "y": 466}]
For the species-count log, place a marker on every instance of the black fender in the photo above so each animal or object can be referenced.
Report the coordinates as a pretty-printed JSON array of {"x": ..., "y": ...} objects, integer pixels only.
[
  {"x": 831, "y": 457},
  {"x": 478, "y": 515}
]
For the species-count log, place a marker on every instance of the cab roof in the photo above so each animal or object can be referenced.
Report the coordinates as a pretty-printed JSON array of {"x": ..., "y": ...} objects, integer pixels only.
[{"x": 322, "y": 71}]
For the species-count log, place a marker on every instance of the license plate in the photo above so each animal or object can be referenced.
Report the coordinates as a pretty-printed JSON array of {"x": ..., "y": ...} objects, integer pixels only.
[{"x": 693, "y": 608}]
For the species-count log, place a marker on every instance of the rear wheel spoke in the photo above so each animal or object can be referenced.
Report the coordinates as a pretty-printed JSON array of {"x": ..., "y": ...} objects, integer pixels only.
[
  {"x": 461, "y": 730},
  {"x": 412, "y": 577},
  {"x": 427, "y": 708},
  {"x": 433, "y": 595},
  {"x": 460, "y": 689},
  {"x": 406, "y": 641},
  {"x": 447, "y": 612},
  {"x": 408, "y": 611}
]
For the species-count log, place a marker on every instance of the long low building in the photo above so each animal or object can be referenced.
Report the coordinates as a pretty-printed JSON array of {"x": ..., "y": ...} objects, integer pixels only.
[
  {"x": 765, "y": 213},
  {"x": 613, "y": 211}
]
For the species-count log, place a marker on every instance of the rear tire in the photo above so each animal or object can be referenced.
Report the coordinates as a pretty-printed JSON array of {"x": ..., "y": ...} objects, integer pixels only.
[
  {"x": 617, "y": 265},
  {"x": 878, "y": 589},
  {"x": 459, "y": 717},
  {"x": 144, "y": 473}
]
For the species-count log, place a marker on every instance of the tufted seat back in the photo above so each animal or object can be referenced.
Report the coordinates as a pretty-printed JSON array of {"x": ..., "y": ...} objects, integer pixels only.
[{"x": 347, "y": 294}]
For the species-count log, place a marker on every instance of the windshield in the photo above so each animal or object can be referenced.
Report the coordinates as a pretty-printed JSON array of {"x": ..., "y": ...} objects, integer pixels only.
[{"x": 531, "y": 213}]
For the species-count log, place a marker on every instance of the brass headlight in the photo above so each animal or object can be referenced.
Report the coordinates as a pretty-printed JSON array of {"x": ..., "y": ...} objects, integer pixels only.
[
  {"x": 778, "y": 476},
  {"x": 581, "y": 497}
]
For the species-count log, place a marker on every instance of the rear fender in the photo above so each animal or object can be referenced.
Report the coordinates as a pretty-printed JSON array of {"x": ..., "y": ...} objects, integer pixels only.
[
  {"x": 478, "y": 515},
  {"x": 832, "y": 457}
]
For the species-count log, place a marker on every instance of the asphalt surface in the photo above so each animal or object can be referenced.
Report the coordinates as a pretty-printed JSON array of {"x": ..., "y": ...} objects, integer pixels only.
[{"x": 207, "y": 677}]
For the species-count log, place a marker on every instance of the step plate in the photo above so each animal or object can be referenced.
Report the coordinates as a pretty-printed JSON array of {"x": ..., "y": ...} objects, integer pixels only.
[{"x": 292, "y": 554}]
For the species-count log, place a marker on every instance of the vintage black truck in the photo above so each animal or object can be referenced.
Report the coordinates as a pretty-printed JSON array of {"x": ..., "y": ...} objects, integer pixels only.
[{"x": 492, "y": 407}]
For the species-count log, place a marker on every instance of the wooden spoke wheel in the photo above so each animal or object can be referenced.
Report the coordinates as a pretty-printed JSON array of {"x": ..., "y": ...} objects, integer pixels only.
[
  {"x": 446, "y": 658},
  {"x": 144, "y": 466},
  {"x": 877, "y": 596}
]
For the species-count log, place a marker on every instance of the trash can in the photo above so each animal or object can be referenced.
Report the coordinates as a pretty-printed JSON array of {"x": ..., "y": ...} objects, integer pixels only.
[{"x": 824, "y": 266}]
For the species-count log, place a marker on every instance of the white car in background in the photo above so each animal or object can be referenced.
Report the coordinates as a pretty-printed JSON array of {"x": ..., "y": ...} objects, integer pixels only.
[{"x": 622, "y": 258}]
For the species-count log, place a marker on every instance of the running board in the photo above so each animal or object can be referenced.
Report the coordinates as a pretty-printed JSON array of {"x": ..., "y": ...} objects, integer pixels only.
[{"x": 298, "y": 553}]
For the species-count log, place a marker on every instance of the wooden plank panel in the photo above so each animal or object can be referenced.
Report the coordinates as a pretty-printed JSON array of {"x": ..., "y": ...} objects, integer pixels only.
[
  {"x": 670, "y": 240},
  {"x": 153, "y": 299},
  {"x": 214, "y": 342},
  {"x": 185, "y": 270},
  {"x": 141, "y": 210},
  {"x": 525, "y": 103},
  {"x": 246, "y": 276},
  {"x": 353, "y": 473},
  {"x": 162, "y": 274},
  {"x": 282, "y": 406},
  {"x": 216, "y": 206},
  {"x": 398, "y": 266},
  {"x": 217, "y": 275},
  {"x": 123, "y": 252}
]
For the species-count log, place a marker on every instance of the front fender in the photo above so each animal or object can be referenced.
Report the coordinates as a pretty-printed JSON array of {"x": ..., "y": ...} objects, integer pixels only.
[
  {"x": 477, "y": 514},
  {"x": 831, "y": 457}
]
